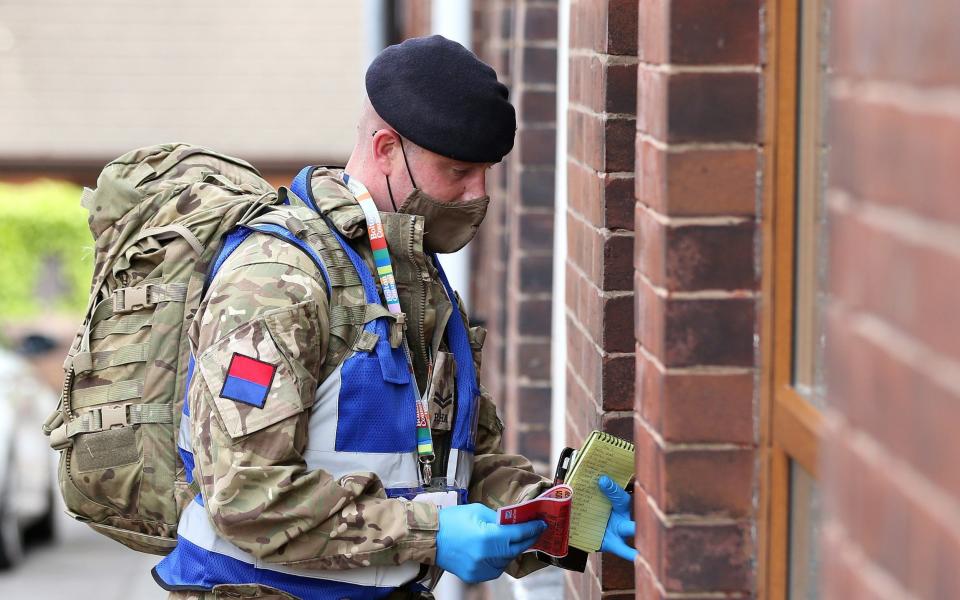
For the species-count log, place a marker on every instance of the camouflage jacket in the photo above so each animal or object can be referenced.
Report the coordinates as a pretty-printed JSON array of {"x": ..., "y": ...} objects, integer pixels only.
[{"x": 253, "y": 476}]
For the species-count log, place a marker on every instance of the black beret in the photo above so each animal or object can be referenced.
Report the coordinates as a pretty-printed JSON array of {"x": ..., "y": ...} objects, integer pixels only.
[{"x": 440, "y": 96}]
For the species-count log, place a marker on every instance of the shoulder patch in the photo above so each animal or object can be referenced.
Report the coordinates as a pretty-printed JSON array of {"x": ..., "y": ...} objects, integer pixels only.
[{"x": 248, "y": 380}]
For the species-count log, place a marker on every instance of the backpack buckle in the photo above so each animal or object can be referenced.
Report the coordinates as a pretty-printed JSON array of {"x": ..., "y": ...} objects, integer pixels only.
[
  {"x": 127, "y": 300},
  {"x": 113, "y": 416}
]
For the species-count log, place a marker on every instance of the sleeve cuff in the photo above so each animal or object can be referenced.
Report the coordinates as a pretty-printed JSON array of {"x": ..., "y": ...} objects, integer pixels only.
[{"x": 423, "y": 523}]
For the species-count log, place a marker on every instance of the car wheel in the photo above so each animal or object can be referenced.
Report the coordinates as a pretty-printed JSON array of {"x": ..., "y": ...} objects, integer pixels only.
[
  {"x": 42, "y": 531},
  {"x": 11, "y": 540}
]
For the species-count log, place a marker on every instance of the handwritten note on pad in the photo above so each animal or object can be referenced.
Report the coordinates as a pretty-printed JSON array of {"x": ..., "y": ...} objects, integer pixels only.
[{"x": 602, "y": 454}]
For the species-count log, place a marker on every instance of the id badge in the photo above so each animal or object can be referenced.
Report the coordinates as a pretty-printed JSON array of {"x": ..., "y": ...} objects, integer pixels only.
[
  {"x": 442, "y": 499},
  {"x": 441, "y": 492}
]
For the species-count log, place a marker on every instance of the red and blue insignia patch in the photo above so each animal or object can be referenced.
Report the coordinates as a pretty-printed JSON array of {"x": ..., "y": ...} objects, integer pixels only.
[{"x": 248, "y": 380}]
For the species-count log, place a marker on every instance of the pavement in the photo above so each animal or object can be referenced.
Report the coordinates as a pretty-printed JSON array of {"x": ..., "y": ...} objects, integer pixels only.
[{"x": 81, "y": 565}]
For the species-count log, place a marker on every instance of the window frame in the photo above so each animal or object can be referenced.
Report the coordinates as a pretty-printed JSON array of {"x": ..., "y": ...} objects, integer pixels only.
[{"x": 791, "y": 428}]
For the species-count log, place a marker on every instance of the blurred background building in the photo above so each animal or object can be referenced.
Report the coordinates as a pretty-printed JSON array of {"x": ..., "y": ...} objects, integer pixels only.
[{"x": 728, "y": 231}]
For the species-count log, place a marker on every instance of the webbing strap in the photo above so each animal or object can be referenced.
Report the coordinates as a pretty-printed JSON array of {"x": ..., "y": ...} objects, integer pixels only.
[
  {"x": 129, "y": 324},
  {"x": 357, "y": 315},
  {"x": 104, "y": 394},
  {"x": 101, "y": 419},
  {"x": 94, "y": 361},
  {"x": 173, "y": 230},
  {"x": 343, "y": 276},
  {"x": 134, "y": 298}
]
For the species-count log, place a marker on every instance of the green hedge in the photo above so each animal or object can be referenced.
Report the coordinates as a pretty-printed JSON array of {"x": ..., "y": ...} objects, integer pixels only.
[{"x": 46, "y": 250}]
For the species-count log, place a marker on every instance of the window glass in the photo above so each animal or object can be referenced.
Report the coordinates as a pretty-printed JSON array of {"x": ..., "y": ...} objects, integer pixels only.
[
  {"x": 805, "y": 520},
  {"x": 810, "y": 235}
]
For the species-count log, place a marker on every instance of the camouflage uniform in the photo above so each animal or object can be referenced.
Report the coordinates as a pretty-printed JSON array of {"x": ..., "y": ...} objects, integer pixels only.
[{"x": 269, "y": 300}]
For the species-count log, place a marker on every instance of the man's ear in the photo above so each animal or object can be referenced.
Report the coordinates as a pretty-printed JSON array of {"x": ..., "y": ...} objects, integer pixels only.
[{"x": 386, "y": 149}]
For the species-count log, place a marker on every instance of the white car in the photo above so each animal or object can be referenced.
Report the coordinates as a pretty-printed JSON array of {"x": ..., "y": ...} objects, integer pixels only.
[{"x": 26, "y": 475}]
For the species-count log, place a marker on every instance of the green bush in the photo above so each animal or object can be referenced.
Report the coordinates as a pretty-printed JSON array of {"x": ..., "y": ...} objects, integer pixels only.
[{"x": 46, "y": 250}]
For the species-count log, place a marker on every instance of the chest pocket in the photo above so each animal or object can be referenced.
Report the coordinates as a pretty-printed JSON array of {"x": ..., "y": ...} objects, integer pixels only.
[{"x": 377, "y": 399}]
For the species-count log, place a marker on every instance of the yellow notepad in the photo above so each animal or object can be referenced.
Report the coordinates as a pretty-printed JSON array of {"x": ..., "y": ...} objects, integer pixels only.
[{"x": 601, "y": 454}]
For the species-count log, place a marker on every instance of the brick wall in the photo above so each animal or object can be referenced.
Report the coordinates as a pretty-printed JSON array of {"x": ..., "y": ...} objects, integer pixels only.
[
  {"x": 513, "y": 257},
  {"x": 601, "y": 125},
  {"x": 697, "y": 157},
  {"x": 892, "y": 488}
]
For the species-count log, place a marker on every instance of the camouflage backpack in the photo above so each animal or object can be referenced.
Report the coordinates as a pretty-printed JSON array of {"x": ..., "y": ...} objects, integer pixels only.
[{"x": 158, "y": 217}]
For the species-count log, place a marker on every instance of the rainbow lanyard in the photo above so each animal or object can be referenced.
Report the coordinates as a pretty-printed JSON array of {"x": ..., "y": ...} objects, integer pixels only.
[{"x": 381, "y": 258}]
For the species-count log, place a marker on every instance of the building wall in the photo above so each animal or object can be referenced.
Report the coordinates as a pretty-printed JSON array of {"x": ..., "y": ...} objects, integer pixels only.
[
  {"x": 512, "y": 259},
  {"x": 84, "y": 82},
  {"x": 892, "y": 490},
  {"x": 698, "y": 153},
  {"x": 601, "y": 125}
]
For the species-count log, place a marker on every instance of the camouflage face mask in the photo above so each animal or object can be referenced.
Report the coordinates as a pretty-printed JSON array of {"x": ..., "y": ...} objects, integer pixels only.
[{"x": 447, "y": 226}]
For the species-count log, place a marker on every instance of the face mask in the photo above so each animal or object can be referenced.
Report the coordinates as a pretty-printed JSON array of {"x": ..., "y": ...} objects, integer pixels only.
[{"x": 447, "y": 226}]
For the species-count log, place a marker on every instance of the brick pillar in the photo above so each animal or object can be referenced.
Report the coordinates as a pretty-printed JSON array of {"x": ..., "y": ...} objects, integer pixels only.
[
  {"x": 599, "y": 271},
  {"x": 890, "y": 480},
  {"x": 492, "y": 40},
  {"x": 529, "y": 220},
  {"x": 696, "y": 284},
  {"x": 512, "y": 262}
]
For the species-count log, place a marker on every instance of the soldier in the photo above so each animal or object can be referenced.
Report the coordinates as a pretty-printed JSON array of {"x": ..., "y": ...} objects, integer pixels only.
[{"x": 316, "y": 478}]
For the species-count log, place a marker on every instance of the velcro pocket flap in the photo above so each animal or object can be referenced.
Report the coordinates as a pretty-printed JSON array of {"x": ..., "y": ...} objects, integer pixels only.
[{"x": 250, "y": 380}]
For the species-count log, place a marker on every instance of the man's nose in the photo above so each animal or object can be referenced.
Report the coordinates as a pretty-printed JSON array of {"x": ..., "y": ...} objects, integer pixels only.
[{"x": 476, "y": 186}]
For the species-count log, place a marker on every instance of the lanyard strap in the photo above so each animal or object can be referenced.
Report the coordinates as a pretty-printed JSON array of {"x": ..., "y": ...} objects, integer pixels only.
[{"x": 381, "y": 257}]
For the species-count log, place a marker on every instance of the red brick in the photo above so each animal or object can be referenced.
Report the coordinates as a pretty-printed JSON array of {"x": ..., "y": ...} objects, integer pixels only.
[
  {"x": 537, "y": 147},
  {"x": 535, "y": 274},
  {"x": 603, "y": 143},
  {"x": 534, "y": 317},
  {"x": 581, "y": 408},
  {"x": 890, "y": 40},
  {"x": 686, "y": 332},
  {"x": 540, "y": 22},
  {"x": 725, "y": 31},
  {"x": 878, "y": 393},
  {"x": 535, "y": 445},
  {"x": 539, "y": 65},
  {"x": 696, "y": 481},
  {"x": 713, "y": 107},
  {"x": 652, "y": 102},
  {"x": 533, "y": 359},
  {"x": 537, "y": 106},
  {"x": 536, "y": 186},
  {"x": 654, "y": 17},
  {"x": 896, "y": 529},
  {"x": 912, "y": 286},
  {"x": 692, "y": 558},
  {"x": 608, "y": 26},
  {"x": 533, "y": 403},
  {"x": 605, "y": 201},
  {"x": 602, "y": 85},
  {"x": 698, "y": 107},
  {"x": 615, "y": 573},
  {"x": 696, "y": 257},
  {"x": 697, "y": 182},
  {"x": 619, "y": 425},
  {"x": 696, "y": 407},
  {"x": 604, "y": 256},
  {"x": 534, "y": 231},
  {"x": 898, "y": 159}
]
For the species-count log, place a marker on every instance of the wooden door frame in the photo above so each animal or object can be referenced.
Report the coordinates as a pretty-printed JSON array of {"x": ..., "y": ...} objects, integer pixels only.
[{"x": 790, "y": 427}]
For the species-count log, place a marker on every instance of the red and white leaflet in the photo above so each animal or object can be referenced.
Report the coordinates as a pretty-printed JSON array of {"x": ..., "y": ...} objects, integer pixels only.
[{"x": 552, "y": 507}]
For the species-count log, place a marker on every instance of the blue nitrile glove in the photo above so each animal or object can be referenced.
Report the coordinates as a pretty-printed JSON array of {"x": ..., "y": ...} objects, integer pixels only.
[
  {"x": 474, "y": 547},
  {"x": 620, "y": 526}
]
